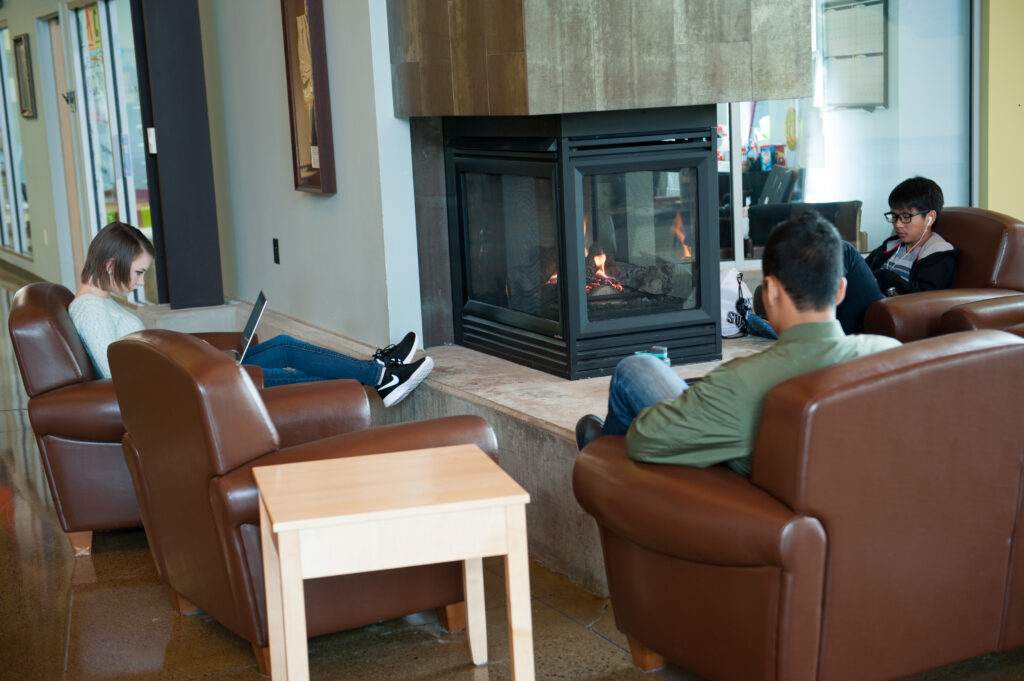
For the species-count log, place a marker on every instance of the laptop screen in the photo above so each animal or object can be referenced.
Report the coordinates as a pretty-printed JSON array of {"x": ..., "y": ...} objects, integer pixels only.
[{"x": 251, "y": 323}]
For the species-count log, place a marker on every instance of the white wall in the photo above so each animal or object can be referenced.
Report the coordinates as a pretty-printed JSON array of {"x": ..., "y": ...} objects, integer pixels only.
[{"x": 348, "y": 261}]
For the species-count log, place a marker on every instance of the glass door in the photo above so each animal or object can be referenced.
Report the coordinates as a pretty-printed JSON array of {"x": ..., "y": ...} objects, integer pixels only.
[
  {"x": 109, "y": 117},
  {"x": 639, "y": 240},
  {"x": 509, "y": 223}
]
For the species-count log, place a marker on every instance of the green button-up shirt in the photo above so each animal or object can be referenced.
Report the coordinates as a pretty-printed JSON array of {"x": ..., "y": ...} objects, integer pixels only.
[{"x": 716, "y": 420}]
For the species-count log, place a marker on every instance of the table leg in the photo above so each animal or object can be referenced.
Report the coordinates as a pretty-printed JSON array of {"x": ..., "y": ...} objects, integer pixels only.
[
  {"x": 517, "y": 587},
  {"x": 272, "y": 586},
  {"x": 294, "y": 607},
  {"x": 476, "y": 616}
]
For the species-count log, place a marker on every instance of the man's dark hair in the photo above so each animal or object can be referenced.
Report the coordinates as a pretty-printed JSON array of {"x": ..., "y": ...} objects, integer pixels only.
[
  {"x": 121, "y": 243},
  {"x": 805, "y": 255},
  {"x": 917, "y": 194}
]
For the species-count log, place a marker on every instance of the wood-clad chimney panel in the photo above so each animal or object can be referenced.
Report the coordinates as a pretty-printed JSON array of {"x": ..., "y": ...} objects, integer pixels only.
[
  {"x": 445, "y": 53},
  {"x": 466, "y": 19},
  {"x": 421, "y": 57},
  {"x": 781, "y": 67},
  {"x": 514, "y": 57}
]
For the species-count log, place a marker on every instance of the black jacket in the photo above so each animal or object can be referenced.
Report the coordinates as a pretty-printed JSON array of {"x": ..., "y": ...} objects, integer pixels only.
[{"x": 934, "y": 268}]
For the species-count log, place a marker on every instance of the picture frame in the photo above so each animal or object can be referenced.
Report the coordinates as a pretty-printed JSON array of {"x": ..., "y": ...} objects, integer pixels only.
[
  {"x": 309, "y": 99},
  {"x": 23, "y": 69}
]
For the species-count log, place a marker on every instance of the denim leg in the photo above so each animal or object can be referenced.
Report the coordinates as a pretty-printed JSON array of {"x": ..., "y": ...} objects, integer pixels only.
[
  {"x": 312, "y": 361},
  {"x": 639, "y": 381},
  {"x": 273, "y": 376}
]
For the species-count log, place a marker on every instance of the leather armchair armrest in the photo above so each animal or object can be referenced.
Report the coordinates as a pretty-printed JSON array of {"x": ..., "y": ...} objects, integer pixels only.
[
  {"x": 231, "y": 340},
  {"x": 915, "y": 316},
  {"x": 304, "y": 412},
  {"x": 992, "y": 313},
  {"x": 83, "y": 411},
  {"x": 255, "y": 373},
  {"x": 234, "y": 496},
  {"x": 706, "y": 515},
  {"x": 222, "y": 340}
]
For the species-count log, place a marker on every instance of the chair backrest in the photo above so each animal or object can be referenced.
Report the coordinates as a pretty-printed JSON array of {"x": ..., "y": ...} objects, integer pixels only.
[
  {"x": 193, "y": 414},
  {"x": 779, "y": 185},
  {"x": 991, "y": 247},
  {"x": 49, "y": 350},
  {"x": 215, "y": 403},
  {"x": 845, "y": 215},
  {"x": 912, "y": 461}
]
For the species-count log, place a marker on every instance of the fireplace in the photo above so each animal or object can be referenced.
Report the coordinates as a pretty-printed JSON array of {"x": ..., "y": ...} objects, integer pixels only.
[{"x": 578, "y": 239}]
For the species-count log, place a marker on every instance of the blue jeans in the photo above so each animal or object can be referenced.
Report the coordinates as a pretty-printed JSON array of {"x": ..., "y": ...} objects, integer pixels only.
[
  {"x": 287, "y": 360},
  {"x": 639, "y": 381}
]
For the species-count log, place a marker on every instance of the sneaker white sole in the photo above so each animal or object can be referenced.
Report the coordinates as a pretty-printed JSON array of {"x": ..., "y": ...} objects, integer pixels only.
[{"x": 399, "y": 393}]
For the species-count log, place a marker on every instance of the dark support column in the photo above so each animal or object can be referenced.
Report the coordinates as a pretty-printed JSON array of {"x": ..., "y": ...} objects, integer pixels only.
[
  {"x": 188, "y": 215},
  {"x": 432, "y": 230},
  {"x": 152, "y": 169}
]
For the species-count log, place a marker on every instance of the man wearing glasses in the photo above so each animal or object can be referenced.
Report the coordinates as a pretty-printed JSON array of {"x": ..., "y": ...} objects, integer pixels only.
[{"x": 913, "y": 259}]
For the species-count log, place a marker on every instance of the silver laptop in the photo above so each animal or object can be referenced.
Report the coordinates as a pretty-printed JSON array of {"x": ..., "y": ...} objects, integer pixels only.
[{"x": 250, "y": 327}]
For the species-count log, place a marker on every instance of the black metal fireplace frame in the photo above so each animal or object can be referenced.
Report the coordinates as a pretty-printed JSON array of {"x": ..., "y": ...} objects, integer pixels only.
[{"x": 574, "y": 145}]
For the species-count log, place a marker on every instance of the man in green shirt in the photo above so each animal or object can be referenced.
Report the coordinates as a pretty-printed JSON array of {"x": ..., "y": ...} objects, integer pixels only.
[{"x": 715, "y": 421}]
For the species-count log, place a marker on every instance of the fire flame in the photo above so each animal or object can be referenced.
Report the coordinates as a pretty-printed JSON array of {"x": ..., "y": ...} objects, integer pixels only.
[
  {"x": 600, "y": 277},
  {"x": 677, "y": 229}
]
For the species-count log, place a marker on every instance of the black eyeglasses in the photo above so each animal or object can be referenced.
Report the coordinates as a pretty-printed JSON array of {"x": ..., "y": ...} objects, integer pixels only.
[{"x": 903, "y": 218}]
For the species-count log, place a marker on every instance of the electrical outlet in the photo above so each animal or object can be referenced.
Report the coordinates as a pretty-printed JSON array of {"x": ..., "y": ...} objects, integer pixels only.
[{"x": 277, "y": 253}]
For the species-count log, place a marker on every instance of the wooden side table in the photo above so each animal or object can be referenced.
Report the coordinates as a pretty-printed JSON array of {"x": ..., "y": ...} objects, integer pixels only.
[{"x": 381, "y": 511}]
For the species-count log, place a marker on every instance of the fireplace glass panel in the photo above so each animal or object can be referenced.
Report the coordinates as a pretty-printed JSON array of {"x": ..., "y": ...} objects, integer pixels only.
[
  {"x": 640, "y": 242},
  {"x": 512, "y": 244}
]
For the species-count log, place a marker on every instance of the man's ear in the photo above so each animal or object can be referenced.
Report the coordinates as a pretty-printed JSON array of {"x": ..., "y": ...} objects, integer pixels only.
[
  {"x": 110, "y": 266},
  {"x": 841, "y": 293},
  {"x": 770, "y": 291}
]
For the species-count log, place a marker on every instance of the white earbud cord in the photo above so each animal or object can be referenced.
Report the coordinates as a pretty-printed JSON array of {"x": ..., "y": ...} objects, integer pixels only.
[{"x": 927, "y": 229}]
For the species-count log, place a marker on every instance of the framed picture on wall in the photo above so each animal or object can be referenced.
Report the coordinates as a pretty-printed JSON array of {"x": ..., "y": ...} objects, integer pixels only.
[
  {"x": 309, "y": 98},
  {"x": 23, "y": 67}
]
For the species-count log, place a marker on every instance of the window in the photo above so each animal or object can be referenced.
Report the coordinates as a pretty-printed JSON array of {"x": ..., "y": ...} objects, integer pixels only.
[
  {"x": 861, "y": 133},
  {"x": 15, "y": 230},
  {"x": 110, "y": 119}
]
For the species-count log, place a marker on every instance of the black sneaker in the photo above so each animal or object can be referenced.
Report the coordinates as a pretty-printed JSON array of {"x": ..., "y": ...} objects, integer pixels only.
[
  {"x": 400, "y": 379},
  {"x": 401, "y": 352}
]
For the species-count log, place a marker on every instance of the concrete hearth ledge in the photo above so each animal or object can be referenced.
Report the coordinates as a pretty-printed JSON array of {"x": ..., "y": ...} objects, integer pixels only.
[{"x": 532, "y": 413}]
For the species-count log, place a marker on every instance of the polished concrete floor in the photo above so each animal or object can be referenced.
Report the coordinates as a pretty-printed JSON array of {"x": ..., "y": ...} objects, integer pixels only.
[{"x": 108, "y": 617}]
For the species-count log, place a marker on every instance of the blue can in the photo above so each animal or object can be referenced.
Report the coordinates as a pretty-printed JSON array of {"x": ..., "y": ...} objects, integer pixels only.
[{"x": 659, "y": 351}]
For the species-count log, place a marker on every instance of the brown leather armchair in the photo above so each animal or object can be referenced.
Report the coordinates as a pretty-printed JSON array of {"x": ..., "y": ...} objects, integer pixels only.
[
  {"x": 991, "y": 264},
  {"x": 1006, "y": 313},
  {"x": 879, "y": 535},
  {"x": 192, "y": 444},
  {"x": 74, "y": 415}
]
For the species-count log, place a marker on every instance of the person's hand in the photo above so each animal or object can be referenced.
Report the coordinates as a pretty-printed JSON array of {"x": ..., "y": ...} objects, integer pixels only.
[{"x": 888, "y": 279}]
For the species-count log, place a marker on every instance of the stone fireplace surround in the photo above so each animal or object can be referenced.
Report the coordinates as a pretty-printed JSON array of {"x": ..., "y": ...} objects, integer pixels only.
[{"x": 539, "y": 57}]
